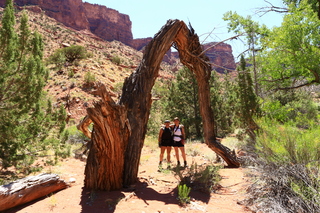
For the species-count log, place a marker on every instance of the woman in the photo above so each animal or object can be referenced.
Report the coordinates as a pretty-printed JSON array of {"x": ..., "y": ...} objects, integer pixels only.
[
  {"x": 165, "y": 142},
  {"x": 178, "y": 140}
]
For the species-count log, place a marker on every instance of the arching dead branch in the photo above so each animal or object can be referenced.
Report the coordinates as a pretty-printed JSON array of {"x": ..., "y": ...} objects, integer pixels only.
[{"x": 119, "y": 129}]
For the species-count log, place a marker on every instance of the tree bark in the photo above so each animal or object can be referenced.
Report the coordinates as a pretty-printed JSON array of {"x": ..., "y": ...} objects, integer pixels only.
[
  {"x": 29, "y": 189},
  {"x": 190, "y": 53},
  {"x": 115, "y": 152},
  {"x": 109, "y": 138}
]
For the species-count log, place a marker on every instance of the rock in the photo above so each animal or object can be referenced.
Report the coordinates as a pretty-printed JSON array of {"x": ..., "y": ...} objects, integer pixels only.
[
  {"x": 221, "y": 55},
  {"x": 109, "y": 24},
  {"x": 72, "y": 180}
]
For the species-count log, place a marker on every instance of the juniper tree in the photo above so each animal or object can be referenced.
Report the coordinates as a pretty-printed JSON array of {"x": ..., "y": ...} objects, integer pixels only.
[
  {"x": 248, "y": 105},
  {"x": 27, "y": 117}
]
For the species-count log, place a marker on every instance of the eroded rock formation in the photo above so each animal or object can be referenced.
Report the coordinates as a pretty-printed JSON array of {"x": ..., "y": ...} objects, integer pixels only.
[
  {"x": 220, "y": 54},
  {"x": 110, "y": 25}
]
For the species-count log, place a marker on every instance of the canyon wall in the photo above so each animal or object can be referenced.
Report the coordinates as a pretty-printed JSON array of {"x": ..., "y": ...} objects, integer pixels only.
[{"x": 110, "y": 25}]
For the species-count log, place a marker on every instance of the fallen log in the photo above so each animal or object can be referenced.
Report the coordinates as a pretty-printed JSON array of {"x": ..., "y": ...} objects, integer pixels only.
[{"x": 28, "y": 189}]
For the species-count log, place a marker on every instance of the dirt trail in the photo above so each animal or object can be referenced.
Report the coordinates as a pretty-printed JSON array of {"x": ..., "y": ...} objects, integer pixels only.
[{"x": 154, "y": 192}]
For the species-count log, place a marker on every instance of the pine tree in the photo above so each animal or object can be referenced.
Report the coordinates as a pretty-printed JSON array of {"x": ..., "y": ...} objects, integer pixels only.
[
  {"x": 223, "y": 102},
  {"x": 248, "y": 105},
  {"x": 183, "y": 102},
  {"x": 27, "y": 118}
]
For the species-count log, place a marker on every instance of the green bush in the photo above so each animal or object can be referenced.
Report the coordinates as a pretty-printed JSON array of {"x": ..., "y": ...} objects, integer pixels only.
[
  {"x": 289, "y": 167},
  {"x": 89, "y": 78},
  {"x": 297, "y": 107},
  {"x": 116, "y": 60},
  {"x": 68, "y": 54},
  {"x": 183, "y": 194},
  {"x": 201, "y": 178},
  {"x": 288, "y": 144}
]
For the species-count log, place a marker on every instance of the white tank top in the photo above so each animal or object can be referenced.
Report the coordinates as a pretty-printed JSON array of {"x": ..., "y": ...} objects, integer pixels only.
[{"x": 177, "y": 131}]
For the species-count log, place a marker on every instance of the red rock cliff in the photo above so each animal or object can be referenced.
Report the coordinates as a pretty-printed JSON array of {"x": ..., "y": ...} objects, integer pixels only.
[
  {"x": 220, "y": 54},
  {"x": 69, "y": 12},
  {"x": 111, "y": 25},
  {"x": 106, "y": 23}
]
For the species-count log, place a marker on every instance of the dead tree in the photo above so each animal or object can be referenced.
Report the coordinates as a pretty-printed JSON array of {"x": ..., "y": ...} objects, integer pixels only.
[
  {"x": 28, "y": 189},
  {"x": 119, "y": 129}
]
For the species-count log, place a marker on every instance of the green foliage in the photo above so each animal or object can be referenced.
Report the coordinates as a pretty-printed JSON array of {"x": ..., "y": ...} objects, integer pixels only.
[
  {"x": 288, "y": 144},
  {"x": 89, "y": 78},
  {"x": 202, "y": 178},
  {"x": 291, "y": 53},
  {"x": 158, "y": 113},
  {"x": 295, "y": 106},
  {"x": 29, "y": 124},
  {"x": 116, "y": 60},
  {"x": 291, "y": 169},
  {"x": 70, "y": 54},
  {"x": 183, "y": 102},
  {"x": 183, "y": 194},
  {"x": 223, "y": 101},
  {"x": 247, "y": 100}
]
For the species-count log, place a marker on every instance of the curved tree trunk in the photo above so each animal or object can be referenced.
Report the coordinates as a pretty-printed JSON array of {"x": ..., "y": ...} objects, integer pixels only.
[
  {"x": 191, "y": 55},
  {"x": 115, "y": 152}
]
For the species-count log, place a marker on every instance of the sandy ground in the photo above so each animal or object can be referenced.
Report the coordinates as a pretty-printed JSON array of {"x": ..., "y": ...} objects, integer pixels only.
[{"x": 155, "y": 191}]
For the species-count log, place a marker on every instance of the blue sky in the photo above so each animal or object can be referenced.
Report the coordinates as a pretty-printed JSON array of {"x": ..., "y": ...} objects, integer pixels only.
[{"x": 148, "y": 16}]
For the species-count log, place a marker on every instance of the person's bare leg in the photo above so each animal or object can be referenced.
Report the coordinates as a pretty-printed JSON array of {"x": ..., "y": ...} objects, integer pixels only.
[
  {"x": 176, "y": 149},
  {"x": 168, "y": 154},
  {"x": 183, "y": 153},
  {"x": 162, "y": 149}
]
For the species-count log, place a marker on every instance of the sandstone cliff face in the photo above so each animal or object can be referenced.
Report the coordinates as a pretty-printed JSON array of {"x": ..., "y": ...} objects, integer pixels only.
[
  {"x": 108, "y": 23},
  {"x": 140, "y": 43},
  {"x": 221, "y": 56},
  {"x": 104, "y": 22},
  {"x": 69, "y": 12}
]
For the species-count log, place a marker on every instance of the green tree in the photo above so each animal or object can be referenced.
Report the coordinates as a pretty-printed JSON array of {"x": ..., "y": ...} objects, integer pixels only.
[
  {"x": 183, "y": 102},
  {"x": 68, "y": 54},
  {"x": 253, "y": 33},
  {"x": 248, "y": 105},
  {"x": 223, "y": 101},
  {"x": 291, "y": 57},
  {"x": 315, "y": 4},
  {"x": 28, "y": 122}
]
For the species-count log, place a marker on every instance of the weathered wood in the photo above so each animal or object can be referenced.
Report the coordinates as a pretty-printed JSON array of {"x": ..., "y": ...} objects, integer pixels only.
[
  {"x": 136, "y": 95},
  {"x": 119, "y": 129},
  {"x": 190, "y": 53},
  {"x": 104, "y": 168},
  {"x": 28, "y": 189}
]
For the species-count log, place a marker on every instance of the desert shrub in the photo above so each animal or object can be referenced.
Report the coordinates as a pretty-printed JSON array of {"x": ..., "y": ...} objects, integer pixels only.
[
  {"x": 89, "y": 78},
  {"x": 289, "y": 168},
  {"x": 285, "y": 143},
  {"x": 70, "y": 54},
  {"x": 118, "y": 88},
  {"x": 202, "y": 178},
  {"x": 183, "y": 194},
  {"x": 285, "y": 106},
  {"x": 116, "y": 60}
]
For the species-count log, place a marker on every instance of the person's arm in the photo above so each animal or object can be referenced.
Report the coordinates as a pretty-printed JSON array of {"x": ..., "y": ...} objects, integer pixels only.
[
  {"x": 183, "y": 132},
  {"x": 160, "y": 135}
]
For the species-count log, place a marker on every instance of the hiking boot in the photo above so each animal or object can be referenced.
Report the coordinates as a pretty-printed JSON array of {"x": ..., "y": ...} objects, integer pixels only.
[
  {"x": 178, "y": 163},
  {"x": 185, "y": 164}
]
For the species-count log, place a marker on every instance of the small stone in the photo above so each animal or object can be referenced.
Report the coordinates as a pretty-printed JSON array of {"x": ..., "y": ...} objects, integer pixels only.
[{"x": 72, "y": 180}]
